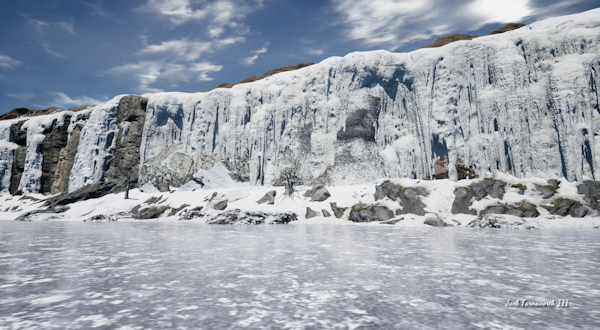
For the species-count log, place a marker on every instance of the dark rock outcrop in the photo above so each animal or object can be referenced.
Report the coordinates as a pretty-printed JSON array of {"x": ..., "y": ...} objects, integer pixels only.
[
  {"x": 523, "y": 210},
  {"x": 66, "y": 158},
  {"x": 55, "y": 140},
  {"x": 131, "y": 115},
  {"x": 361, "y": 213},
  {"x": 236, "y": 217},
  {"x": 337, "y": 211},
  {"x": 20, "y": 138},
  {"x": 318, "y": 193},
  {"x": 326, "y": 213},
  {"x": 462, "y": 200},
  {"x": 407, "y": 197},
  {"x": 268, "y": 198}
]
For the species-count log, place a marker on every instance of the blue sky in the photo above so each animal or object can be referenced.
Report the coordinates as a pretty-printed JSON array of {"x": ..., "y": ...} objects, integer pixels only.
[{"x": 65, "y": 53}]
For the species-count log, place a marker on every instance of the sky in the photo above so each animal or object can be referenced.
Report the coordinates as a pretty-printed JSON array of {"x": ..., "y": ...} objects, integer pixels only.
[{"x": 64, "y": 53}]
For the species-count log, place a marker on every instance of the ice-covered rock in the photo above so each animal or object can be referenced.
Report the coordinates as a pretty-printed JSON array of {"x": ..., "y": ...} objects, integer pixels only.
[{"x": 523, "y": 103}]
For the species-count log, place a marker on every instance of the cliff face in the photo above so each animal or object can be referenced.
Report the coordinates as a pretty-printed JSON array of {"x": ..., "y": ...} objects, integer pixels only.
[{"x": 524, "y": 103}]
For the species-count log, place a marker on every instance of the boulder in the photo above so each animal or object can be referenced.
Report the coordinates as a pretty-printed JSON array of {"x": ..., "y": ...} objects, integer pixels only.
[
  {"x": 498, "y": 221},
  {"x": 487, "y": 186},
  {"x": 236, "y": 217},
  {"x": 95, "y": 190},
  {"x": 435, "y": 222},
  {"x": 337, "y": 211},
  {"x": 152, "y": 212},
  {"x": 407, "y": 197},
  {"x": 318, "y": 193},
  {"x": 175, "y": 210},
  {"x": 268, "y": 198},
  {"x": 391, "y": 222},
  {"x": 221, "y": 205},
  {"x": 591, "y": 190},
  {"x": 361, "y": 213},
  {"x": 310, "y": 213},
  {"x": 462, "y": 200},
  {"x": 546, "y": 191},
  {"x": 326, "y": 213}
]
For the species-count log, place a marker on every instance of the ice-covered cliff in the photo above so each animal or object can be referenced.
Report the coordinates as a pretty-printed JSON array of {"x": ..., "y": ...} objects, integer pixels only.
[{"x": 524, "y": 103}]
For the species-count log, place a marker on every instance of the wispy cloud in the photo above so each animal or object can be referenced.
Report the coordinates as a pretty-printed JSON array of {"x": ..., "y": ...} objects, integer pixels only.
[
  {"x": 63, "y": 101},
  {"x": 42, "y": 26},
  {"x": 46, "y": 47},
  {"x": 250, "y": 60},
  {"x": 182, "y": 49},
  {"x": 97, "y": 9},
  {"x": 218, "y": 15},
  {"x": 315, "y": 51},
  {"x": 23, "y": 96},
  {"x": 149, "y": 72},
  {"x": 7, "y": 62},
  {"x": 393, "y": 23}
]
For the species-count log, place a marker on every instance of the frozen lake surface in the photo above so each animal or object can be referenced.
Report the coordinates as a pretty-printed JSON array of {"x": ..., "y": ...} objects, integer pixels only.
[{"x": 128, "y": 275}]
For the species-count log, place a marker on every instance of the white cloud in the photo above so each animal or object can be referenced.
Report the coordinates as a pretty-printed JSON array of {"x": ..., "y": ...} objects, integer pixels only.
[
  {"x": 315, "y": 51},
  {"x": 7, "y": 62},
  {"x": 62, "y": 100},
  {"x": 46, "y": 47},
  {"x": 182, "y": 49},
  {"x": 493, "y": 11},
  {"x": 392, "y": 23},
  {"x": 23, "y": 96},
  {"x": 149, "y": 72},
  {"x": 41, "y": 26},
  {"x": 218, "y": 15},
  {"x": 250, "y": 60}
]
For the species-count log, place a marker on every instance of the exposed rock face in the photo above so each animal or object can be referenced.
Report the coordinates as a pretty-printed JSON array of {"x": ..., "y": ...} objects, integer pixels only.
[
  {"x": 268, "y": 198},
  {"x": 407, "y": 197},
  {"x": 151, "y": 212},
  {"x": 318, "y": 193},
  {"x": 66, "y": 157},
  {"x": 54, "y": 142},
  {"x": 20, "y": 138},
  {"x": 361, "y": 213},
  {"x": 131, "y": 115},
  {"x": 494, "y": 188},
  {"x": 236, "y": 217}
]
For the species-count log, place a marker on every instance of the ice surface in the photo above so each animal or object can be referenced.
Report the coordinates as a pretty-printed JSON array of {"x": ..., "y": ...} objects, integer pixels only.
[{"x": 190, "y": 276}]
